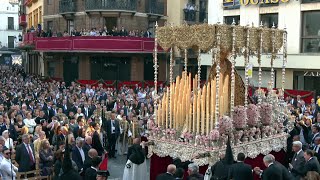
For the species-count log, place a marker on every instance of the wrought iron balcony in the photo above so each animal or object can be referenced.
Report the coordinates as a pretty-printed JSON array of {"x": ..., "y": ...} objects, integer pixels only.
[
  {"x": 155, "y": 7},
  {"x": 111, "y": 5},
  {"x": 67, "y": 6}
]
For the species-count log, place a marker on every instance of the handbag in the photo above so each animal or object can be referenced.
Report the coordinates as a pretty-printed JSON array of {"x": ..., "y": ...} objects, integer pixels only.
[{"x": 104, "y": 163}]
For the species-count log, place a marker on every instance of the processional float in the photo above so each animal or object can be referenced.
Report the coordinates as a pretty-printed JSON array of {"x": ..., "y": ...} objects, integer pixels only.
[{"x": 192, "y": 120}]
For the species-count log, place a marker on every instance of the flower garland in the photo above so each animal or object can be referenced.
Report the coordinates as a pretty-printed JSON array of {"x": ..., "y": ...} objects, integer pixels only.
[
  {"x": 214, "y": 135},
  {"x": 225, "y": 125},
  {"x": 239, "y": 117},
  {"x": 266, "y": 113},
  {"x": 253, "y": 114}
]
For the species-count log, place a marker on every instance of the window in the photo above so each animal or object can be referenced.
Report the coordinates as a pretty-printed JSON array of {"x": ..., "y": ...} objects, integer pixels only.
[
  {"x": 110, "y": 22},
  {"x": 311, "y": 32},
  {"x": 35, "y": 17},
  {"x": 40, "y": 14},
  {"x": 49, "y": 2},
  {"x": 10, "y": 23},
  {"x": 70, "y": 25},
  {"x": 229, "y": 20},
  {"x": 269, "y": 19},
  {"x": 30, "y": 20},
  {"x": 49, "y": 25},
  {"x": 11, "y": 41}
]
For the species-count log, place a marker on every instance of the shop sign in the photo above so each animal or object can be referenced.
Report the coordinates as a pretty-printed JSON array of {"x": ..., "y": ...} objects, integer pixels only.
[
  {"x": 227, "y": 3},
  {"x": 311, "y": 73}
]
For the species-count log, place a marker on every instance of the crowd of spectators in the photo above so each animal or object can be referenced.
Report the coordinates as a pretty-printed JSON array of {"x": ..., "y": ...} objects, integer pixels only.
[
  {"x": 40, "y": 120},
  {"x": 122, "y": 32}
]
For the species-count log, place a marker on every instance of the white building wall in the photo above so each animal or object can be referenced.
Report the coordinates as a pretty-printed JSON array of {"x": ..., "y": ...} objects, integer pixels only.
[
  {"x": 289, "y": 17},
  {"x": 8, "y": 10}
]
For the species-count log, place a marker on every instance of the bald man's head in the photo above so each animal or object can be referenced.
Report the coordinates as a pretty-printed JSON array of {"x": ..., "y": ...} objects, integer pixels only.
[
  {"x": 92, "y": 153},
  {"x": 136, "y": 141},
  {"x": 171, "y": 168}
]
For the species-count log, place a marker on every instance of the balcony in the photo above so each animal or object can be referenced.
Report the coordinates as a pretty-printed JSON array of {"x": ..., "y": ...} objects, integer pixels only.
[
  {"x": 101, "y": 44},
  {"x": 22, "y": 20},
  {"x": 111, "y": 5},
  {"x": 155, "y": 7},
  {"x": 67, "y": 7},
  {"x": 28, "y": 2}
]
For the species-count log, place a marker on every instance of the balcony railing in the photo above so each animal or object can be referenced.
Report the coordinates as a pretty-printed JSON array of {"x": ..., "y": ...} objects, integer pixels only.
[
  {"x": 115, "y": 44},
  {"x": 111, "y": 5},
  {"x": 67, "y": 6},
  {"x": 155, "y": 7}
]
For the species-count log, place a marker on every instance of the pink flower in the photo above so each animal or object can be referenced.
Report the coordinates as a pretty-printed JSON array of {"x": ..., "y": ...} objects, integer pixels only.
[
  {"x": 225, "y": 125},
  {"x": 253, "y": 114},
  {"x": 214, "y": 135},
  {"x": 239, "y": 117},
  {"x": 266, "y": 113}
]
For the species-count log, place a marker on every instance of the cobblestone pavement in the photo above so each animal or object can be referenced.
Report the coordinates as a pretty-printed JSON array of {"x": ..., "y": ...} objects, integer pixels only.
[{"x": 116, "y": 167}]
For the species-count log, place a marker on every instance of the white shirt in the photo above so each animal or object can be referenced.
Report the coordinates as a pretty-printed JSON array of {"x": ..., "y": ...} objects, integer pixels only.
[
  {"x": 9, "y": 143},
  {"x": 30, "y": 123},
  {"x": 82, "y": 154},
  {"x": 113, "y": 128},
  {"x": 5, "y": 169}
]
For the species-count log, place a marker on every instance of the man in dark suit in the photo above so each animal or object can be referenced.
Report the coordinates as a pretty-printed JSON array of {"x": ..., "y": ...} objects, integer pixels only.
[
  {"x": 171, "y": 169},
  {"x": 179, "y": 174},
  {"x": 315, "y": 134},
  {"x": 113, "y": 132},
  {"x": 312, "y": 164},
  {"x": 87, "y": 145},
  {"x": 91, "y": 173},
  {"x": 298, "y": 160},
  {"x": 78, "y": 128},
  {"x": 25, "y": 155},
  {"x": 96, "y": 142},
  {"x": 62, "y": 137},
  {"x": 240, "y": 170},
  {"x": 78, "y": 154},
  {"x": 193, "y": 171},
  {"x": 88, "y": 162},
  {"x": 273, "y": 172},
  {"x": 285, "y": 173}
]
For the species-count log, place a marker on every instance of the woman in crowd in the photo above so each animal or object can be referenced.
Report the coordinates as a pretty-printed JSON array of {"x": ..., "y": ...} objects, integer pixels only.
[
  {"x": 30, "y": 123},
  {"x": 8, "y": 140},
  {"x": 19, "y": 124},
  {"x": 46, "y": 158}
]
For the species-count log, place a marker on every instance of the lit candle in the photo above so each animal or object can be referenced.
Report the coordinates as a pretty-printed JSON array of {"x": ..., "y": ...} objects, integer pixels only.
[
  {"x": 203, "y": 109},
  {"x": 164, "y": 109},
  {"x": 159, "y": 113},
  {"x": 194, "y": 110},
  {"x": 198, "y": 111},
  {"x": 213, "y": 102},
  {"x": 134, "y": 129},
  {"x": 208, "y": 109},
  {"x": 167, "y": 107}
]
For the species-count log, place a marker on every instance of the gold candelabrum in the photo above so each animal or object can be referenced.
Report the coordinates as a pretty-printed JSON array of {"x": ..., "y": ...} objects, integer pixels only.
[{"x": 186, "y": 107}]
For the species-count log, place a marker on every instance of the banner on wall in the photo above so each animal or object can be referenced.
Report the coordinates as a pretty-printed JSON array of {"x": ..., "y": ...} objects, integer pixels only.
[{"x": 250, "y": 70}]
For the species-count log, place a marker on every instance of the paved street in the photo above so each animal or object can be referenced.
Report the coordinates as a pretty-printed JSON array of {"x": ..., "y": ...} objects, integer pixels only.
[{"x": 116, "y": 167}]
